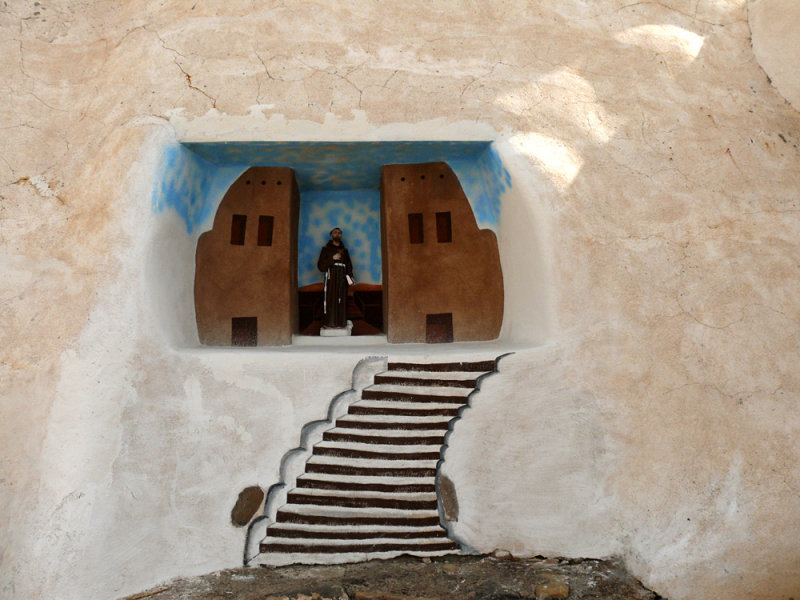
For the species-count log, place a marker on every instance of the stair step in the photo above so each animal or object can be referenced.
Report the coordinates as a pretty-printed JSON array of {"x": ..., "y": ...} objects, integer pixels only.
[
  {"x": 349, "y": 534},
  {"x": 400, "y": 440},
  {"x": 391, "y": 434},
  {"x": 370, "y": 463},
  {"x": 431, "y": 376},
  {"x": 354, "y": 409},
  {"x": 372, "y": 394},
  {"x": 371, "y": 471},
  {"x": 393, "y": 425},
  {"x": 422, "y": 381},
  {"x": 366, "y": 494},
  {"x": 406, "y": 404},
  {"x": 364, "y": 502},
  {"x": 421, "y": 390},
  {"x": 314, "y": 548},
  {"x": 355, "y": 453},
  {"x": 380, "y": 529},
  {"x": 390, "y": 447},
  {"x": 291, "y": 516},
  {"x": 322, "y": 484},
  {"x": 479, "y": 366},
  {"x": 339, "y": 478}
]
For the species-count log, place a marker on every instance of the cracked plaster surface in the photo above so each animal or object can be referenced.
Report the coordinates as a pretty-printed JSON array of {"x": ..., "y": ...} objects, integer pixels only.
[{"x": 667, "y": 201}]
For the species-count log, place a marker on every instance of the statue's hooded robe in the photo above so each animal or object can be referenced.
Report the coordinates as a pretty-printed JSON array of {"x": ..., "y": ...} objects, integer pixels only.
[{"x": 336, "y": 277}]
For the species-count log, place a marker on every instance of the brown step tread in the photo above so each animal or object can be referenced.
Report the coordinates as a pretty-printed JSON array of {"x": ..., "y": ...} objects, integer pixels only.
[
  {"x": 438, "y": 425},
  {"x": 287, "y": 516},
  {"x": 348, "y": 548},
  {"x": 351, "y": 502},
  {"x": 397, "y": 440},
  {"x": 281, "y": 532},
  {"x": 354, "y": 409},
  {"x": 370, "y": 471},
  {"x": 465, "y": 367},
  {"x": 405, "y": 397},
  {"x": 422, "y": 381},
  {"x": 355, "y": 453},
  {"x": 357, "y": 486}
]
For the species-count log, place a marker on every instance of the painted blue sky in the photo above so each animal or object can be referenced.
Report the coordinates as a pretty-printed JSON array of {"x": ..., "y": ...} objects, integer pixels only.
[{"x": 357, "y": 213}]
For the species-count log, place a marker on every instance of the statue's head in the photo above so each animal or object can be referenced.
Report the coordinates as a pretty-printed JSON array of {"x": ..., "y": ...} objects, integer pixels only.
[{"x": 336, "y": 234}]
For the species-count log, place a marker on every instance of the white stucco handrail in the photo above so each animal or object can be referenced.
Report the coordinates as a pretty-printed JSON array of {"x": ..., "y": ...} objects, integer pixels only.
[{"x": 471, "y": 398}]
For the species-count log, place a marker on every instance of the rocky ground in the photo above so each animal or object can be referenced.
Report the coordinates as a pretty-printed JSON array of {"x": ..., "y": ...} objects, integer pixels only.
[{"x": 407, "y": 578}]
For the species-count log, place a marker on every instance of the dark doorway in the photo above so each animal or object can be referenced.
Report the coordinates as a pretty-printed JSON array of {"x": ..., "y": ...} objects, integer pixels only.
[
  {"x": 244, "y": 331},
  {"x": 439, "y": 328}
]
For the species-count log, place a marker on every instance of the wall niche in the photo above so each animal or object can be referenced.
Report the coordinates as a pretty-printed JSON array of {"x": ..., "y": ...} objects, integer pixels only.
[{"x": 418, "y": 220}]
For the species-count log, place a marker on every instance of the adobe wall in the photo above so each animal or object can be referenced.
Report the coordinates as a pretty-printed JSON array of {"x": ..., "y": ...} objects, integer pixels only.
[
  {"x": 257, "y": 276},
  {"x": 461, "y": 277},
  {"x": 648, "y": 242}
]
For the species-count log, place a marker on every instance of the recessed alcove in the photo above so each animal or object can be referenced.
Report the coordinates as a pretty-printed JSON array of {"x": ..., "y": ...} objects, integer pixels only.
[{"x": 339, "y": 184}]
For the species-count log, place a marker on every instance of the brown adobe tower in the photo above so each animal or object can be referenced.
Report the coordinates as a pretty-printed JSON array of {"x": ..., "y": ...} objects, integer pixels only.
[
  {"x": 442, "y": 279},
  {"x": 246, "y": 267}
]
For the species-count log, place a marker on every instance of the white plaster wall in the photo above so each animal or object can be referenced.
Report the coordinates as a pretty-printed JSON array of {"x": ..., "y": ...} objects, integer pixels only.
[{"x": 649, "y": 244}]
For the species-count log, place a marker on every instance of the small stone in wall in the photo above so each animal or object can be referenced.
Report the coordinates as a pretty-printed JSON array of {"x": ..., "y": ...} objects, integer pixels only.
[
  {"x": 449, "y": 568},
  {"x": 250, "y": 499},
  {"x": 328, "y": 593},
  {"x": 386, "y": 596},
  {"x": 552, "y": 590},
  {"x": 447, "y": 493}
]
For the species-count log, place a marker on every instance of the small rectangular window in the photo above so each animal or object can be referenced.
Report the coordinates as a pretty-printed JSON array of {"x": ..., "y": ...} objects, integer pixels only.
[
  {"x": 444, "y": 233},
  {"x": 238, "y": 225},
  {"x": 265, "y": 230},
  {"x": 415, "y": 234},
  {"x": 244, "y": 331}
]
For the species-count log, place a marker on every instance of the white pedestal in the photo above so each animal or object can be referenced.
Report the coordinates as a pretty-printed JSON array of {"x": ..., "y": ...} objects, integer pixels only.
[{"x": 336, "y": 331}]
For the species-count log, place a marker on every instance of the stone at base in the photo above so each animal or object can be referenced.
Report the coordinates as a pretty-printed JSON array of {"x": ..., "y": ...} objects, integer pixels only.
[
  {"x": 552, "y": 590},
  {"x": 336, "y": 331}
]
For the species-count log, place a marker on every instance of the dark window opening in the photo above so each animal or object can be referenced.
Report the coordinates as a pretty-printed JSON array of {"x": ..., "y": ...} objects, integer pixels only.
[
  {"x": 244, "y": 331},
  {"x": 238, "y": 225},
  {"x": 444, "y": 232},
  {"x": 265, "y": 230},
  {"x": 439, "y": 328},
  {"x": 415, "y": 233}
]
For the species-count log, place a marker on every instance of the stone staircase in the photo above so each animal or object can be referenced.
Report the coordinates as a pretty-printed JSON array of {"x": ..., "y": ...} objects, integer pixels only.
[{"x": 369, "y": 487}]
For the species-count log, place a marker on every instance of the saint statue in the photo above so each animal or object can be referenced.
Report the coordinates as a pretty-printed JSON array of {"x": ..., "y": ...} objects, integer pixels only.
[{"x": 334, "y": 261}]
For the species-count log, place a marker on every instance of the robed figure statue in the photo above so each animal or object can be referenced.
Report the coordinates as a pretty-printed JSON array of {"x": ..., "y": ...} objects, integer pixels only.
[{"x": 334, "y": 261}]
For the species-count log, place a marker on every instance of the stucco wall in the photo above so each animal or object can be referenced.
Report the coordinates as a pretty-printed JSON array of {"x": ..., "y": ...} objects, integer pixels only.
[
  {"x": 774, "y": 25},
  {"x": 649, "y": 244}
]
